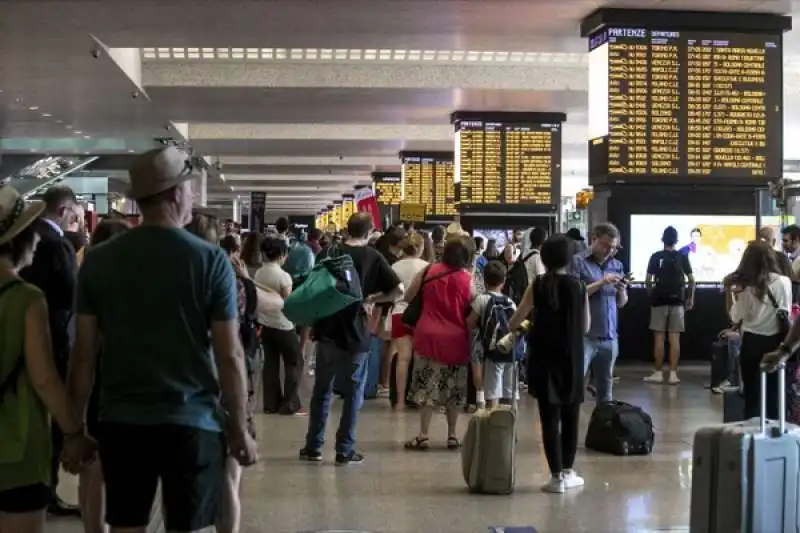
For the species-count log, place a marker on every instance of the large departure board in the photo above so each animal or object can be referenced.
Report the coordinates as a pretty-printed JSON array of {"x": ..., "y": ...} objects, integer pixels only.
[
  {"x": 507, "y": 161},
  {"x": 427, "y": 178},
  {"x": 667, "y": 104},
  {"x": 388, "y": 187}
]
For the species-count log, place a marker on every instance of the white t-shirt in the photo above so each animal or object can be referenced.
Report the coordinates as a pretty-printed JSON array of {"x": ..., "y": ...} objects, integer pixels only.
[
  {"x": 406, "y": 269},
  {"x": 272, "y": 276},
  {"x": 534, "y": 266},
  {"x": 759, "y": 316}
]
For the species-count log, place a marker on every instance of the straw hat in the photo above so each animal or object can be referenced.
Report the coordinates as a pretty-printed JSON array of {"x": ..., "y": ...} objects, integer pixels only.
[
  {"x": 157, "y": 170},
  {"x": 15, "y": 215}
]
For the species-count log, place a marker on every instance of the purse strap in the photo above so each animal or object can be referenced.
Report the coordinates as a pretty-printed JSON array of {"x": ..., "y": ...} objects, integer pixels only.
[{"x": 434, "y": 278}]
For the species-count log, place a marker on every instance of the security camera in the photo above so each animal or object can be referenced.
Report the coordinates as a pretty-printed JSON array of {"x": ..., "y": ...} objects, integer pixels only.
[
  {"x": 96, "y": 53},
  {"x": 135, "y": 94}
]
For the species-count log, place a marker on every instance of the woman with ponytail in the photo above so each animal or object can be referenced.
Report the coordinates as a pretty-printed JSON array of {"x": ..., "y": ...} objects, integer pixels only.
[{"x": 558, "y": 307}]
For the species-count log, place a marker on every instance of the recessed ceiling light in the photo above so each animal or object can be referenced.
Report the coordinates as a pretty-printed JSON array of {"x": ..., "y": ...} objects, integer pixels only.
[
  {"x": 87, "y": 136},
  {"x": 68, "y": 127},
  {"x": 46, "y": 115},
  {"x": 34, "y": 108},
  {"x": 131, "y": 151},
  {"x": 78, "y": 132}
]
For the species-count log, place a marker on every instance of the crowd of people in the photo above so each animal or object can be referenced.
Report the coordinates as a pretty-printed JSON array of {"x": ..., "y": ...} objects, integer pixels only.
[{"x": 148, "y": 345}]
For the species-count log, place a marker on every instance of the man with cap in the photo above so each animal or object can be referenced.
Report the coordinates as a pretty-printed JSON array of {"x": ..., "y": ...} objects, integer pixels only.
[
  {"x": 152, "y": 295},
  {"x": 668, "y": 272}
]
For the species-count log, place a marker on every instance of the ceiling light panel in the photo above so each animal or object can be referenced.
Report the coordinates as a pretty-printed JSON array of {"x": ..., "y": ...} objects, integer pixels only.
[{"x": 384, "y": 55}]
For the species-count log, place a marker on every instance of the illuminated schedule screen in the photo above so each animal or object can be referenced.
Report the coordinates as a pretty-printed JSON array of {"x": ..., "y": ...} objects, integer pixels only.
[
  {"x": 508, "y": 164},
  {"x": 428, "y": 179},
  {"x": 348, "y": 207},
  {"x": 388, "y": 188},
  {"x": 684, "y": 104}
]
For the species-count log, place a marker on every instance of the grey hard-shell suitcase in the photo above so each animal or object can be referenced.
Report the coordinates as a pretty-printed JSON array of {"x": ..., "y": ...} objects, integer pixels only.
[
  {"x": 745, "y": 474},
  {"x": 488, "y": 453}
]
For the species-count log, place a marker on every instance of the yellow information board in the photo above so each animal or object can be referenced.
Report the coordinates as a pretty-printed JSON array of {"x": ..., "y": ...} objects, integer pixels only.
[
  {"x": 410, "y": 212},
  {"x": 348, "y": 208}
]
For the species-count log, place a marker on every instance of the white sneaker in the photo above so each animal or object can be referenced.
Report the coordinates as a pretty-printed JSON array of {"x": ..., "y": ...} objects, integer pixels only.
[
  {"x": 555, "y": 485},
  {"x": 673, "y": 378},
  {"x": 655, "y": 377},
  {"x": 571, "y": 480}
]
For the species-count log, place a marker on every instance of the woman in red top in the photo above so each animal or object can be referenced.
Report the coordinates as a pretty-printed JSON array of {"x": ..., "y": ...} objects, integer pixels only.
[{"x": 441, "y": 339}]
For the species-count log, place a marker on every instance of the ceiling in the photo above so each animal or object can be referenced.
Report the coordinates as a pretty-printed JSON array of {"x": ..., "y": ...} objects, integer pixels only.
[{"x": 301, "y": 98}]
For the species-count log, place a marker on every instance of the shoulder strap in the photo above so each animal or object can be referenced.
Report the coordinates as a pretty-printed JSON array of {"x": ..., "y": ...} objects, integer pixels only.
[
  {"x": 772, "y": 299},
  {"x": 11, "y": 379},
  {"x": 433, "y": 278}
]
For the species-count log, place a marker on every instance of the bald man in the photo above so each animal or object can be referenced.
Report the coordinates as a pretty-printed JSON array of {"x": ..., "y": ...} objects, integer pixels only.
[{"x": 769, "y": 235}]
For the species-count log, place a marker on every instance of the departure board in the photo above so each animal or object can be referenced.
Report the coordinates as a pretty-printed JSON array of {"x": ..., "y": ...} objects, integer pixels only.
[
  {"x": 667, "y": 104},
  {"x": 428, "y": 179},
  {"x": 348, "y": 207},
  {"x": 336, "y": 214},
  {"x": 510, "y": 164},
  {"x": 388, "y": 187}
]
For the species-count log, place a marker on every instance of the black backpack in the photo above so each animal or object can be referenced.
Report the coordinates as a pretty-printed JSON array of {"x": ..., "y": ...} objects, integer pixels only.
[
  {"x": 494, "y": 326},
  {"x": 517, "y": 279},
  {"x": 248, "y": 321},
  {"x": 670, "y": 283},
  {"x": 620, "y": 428}
]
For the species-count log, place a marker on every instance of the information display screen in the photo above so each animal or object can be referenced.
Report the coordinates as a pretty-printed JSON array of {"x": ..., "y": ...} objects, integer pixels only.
[
  {"x": 685, "y": 103},
  {"x": 388, "y": 188},
  {"x": 508, "y": 164},
  {"x": 428, "y": 179},
  {"x": 336, "y": 214},
  {"x": 348, "y": 207}
]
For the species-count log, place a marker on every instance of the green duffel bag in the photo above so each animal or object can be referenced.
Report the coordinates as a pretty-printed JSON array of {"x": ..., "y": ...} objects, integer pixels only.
[{"x": 332, "y": 285}]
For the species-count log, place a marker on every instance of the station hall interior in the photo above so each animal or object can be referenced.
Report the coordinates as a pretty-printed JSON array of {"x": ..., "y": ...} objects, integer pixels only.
[{"x": 299, "y": 102}]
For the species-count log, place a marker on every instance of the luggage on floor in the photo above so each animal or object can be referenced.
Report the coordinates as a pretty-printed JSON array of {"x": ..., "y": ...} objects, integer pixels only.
[
  {"x": 488, "y": 449},
  {"x": 732, "y": 406},
  {"x": 620, "y": 428},
  {"x": 744, "y": 474}
]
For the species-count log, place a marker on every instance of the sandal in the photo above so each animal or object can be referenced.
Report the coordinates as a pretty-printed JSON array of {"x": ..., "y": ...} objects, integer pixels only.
[
  {"x": 453, "y": 443},
  {"x": 418, "y": 444}
]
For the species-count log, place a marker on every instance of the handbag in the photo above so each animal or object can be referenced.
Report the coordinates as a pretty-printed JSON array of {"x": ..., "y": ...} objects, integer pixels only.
[{"x": 413, "y": 312}]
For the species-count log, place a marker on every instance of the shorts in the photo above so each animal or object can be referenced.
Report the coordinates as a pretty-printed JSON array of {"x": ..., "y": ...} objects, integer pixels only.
[
  {"x": 399, "y": 329},
  {"x": 667, "y": 318},
  {"x": 26, "y": 499},
  {"x": 498, "y": 381},
  {"x": 190, "y": 463},
  {"x": 437, "y": 384}
]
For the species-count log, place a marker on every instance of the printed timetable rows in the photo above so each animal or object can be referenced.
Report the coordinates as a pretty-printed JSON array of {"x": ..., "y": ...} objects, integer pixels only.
[
  {"x": 704, "y": 96},
  {"x": 430, "y": 182}
]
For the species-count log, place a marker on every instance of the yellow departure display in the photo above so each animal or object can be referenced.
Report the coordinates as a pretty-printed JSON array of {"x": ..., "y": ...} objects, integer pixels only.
[
  {"x": 348, "y": 207},
  {"x": 428, "y": 180},
  {"x": 336, "y": 214},
  {"x": 687, "y": 103},
  {"x": 388, "y": 188},
  {"x": 508, "y": 163}
]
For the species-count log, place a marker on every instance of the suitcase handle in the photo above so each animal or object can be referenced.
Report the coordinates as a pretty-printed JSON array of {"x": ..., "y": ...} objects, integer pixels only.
[{"x": 781, "y": 400}]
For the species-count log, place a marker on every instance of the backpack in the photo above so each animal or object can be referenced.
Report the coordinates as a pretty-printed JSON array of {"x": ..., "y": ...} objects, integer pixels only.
[
  {"x": 517, "y": 279},
  {"x": 247, "y": 299},
  {"x": 670, "y": 281},
  {"x": 494, "y": 326},
  {"x": 620, "y": 428},
  {"x": 331, "y": 286}
]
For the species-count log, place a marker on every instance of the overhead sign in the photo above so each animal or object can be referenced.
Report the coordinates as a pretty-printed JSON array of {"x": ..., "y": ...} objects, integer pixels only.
[
  {"x": 412, "y": 212},
  {"x": 258, "y": 205}
]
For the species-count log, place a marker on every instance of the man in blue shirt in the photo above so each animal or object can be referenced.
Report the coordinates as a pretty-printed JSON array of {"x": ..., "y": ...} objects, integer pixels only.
[{"x": 605, "y": 282}]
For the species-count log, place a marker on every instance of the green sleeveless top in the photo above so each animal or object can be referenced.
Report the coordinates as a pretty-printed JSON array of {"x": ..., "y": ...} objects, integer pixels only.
[{"x": 24, "y": 422}]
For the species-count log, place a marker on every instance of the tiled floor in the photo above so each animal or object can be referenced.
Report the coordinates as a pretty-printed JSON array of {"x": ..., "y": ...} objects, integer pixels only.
[{"x": 400, "y": 492}]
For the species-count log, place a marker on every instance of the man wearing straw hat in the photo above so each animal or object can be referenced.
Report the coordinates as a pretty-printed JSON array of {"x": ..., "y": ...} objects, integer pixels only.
[{"x": 152, "y": 295}]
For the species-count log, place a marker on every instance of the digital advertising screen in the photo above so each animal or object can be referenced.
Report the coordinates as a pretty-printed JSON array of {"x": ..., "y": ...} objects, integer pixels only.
[
  {"x": 671, "y": 104},
  {"x": 713, "y": 243},
  {"x": 505, "y": 164}
]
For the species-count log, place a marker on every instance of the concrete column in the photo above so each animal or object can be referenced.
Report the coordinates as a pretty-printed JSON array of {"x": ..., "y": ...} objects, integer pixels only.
[{"x": 237, "y": 208}]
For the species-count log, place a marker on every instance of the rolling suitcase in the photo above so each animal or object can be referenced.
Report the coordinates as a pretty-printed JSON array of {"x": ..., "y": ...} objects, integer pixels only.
[
  {"x": 488, "y": 453},
  {"x": 744, "y": 476}
]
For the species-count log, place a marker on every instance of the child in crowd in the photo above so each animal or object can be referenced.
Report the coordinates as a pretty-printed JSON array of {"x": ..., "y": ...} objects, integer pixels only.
[{"x": 493, "y": 370}]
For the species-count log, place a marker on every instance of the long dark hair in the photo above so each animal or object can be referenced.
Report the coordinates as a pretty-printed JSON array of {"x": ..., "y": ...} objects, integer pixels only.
[
  {"x": 107, "y": 229},
  {"x": 555, "y": 253},
  {"x": 758, "y": 261}
]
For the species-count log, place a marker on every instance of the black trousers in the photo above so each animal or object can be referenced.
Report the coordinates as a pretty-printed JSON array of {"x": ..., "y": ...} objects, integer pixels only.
[
  {"x": 281, "y": 345},
  {"x": 559, "y": 434},
  {"x": 753, "y": 349}
]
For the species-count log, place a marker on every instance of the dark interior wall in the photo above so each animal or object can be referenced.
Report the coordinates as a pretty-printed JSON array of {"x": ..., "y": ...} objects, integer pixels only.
[
  {"x": 616, "y": 204},
  {"x": 507, "y": 222}
]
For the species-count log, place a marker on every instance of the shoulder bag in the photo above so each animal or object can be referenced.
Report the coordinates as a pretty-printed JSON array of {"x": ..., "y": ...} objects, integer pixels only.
[{"x": 413, "y": 312}]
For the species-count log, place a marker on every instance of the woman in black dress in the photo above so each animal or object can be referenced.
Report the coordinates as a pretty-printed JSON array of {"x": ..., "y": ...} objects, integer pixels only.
[{"x": 560, "y": 318}]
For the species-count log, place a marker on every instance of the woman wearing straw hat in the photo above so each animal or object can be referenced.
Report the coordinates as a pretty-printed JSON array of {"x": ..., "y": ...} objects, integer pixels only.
[{"x": 30, "y": 386}]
